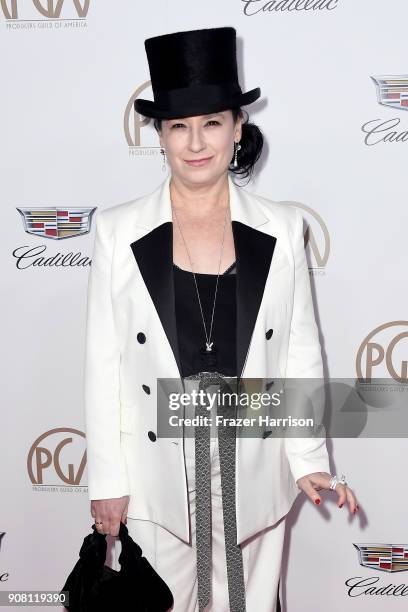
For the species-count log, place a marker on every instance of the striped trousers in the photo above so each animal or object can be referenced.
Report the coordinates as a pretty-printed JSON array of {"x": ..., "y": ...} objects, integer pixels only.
[{"x": 175, "y": 560}]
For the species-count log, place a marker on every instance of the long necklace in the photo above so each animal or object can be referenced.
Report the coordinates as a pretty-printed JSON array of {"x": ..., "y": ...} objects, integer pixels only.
[{"x": 209, "y": 351}]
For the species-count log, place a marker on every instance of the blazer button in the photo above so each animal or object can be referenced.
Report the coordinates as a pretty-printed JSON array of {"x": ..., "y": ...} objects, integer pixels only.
[
  {"x": 146, "y": 389},
  {"x": 269, "y": 334},
  {"x": 141, "y": 337},
  {"x": 152, "y": 436}
]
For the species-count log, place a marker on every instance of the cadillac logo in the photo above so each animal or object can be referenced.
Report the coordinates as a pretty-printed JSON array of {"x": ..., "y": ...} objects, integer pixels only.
[
  {"x": 392, "y": 91},
  {"x": 385, "y": 557},
  {"x": 57, "y": 223}
]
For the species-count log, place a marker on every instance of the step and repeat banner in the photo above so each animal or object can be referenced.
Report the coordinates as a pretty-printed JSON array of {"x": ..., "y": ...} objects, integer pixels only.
[{"x": 333, "y": 110}]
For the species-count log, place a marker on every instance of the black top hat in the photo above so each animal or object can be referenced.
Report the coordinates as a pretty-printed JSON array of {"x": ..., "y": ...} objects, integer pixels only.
[{"x": 193, "y": 73}]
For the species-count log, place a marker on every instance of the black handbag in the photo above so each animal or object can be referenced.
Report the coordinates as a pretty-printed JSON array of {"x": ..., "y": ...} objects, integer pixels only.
[{"x": 96, "y": 587}]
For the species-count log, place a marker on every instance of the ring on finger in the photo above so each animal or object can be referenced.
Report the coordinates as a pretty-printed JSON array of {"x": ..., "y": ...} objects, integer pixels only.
[{"x": 335, "y": 480}]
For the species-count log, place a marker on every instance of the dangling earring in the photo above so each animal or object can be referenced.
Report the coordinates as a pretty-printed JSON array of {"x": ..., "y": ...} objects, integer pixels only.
[
  {"x": 163, "y": 152},
  {"x": 237, "y": 147}
]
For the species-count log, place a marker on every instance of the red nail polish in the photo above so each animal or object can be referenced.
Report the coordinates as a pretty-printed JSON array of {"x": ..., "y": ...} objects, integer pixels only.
[
  {"x": 317, "y": 501},
  {"x": 341, "y": 505}
]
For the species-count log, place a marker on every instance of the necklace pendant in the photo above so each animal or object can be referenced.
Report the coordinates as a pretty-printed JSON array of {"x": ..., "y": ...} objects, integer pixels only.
[{"x": 208, "y": 356}]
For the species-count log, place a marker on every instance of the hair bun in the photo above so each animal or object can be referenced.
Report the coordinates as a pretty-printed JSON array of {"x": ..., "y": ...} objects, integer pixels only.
[{"x": 251, "y": 148}]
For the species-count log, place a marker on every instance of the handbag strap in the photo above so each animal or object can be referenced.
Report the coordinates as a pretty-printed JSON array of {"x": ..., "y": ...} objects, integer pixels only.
[
  {"x": 131, "y": 553},
  {"x": 129, "y": 557}
]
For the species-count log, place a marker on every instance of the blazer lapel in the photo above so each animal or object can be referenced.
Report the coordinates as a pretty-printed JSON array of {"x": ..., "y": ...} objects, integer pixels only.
[
  {"x": 254, "y": 250},
  {"x": 154, "y": 255}
]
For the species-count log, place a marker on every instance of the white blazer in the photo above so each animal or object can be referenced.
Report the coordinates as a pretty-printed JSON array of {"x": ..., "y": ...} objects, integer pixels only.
[{"x": 131, "y": 341}]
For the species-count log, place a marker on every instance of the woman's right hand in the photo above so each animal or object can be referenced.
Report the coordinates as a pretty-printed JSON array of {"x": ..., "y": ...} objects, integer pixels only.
[{"x": 111, "y": 512}]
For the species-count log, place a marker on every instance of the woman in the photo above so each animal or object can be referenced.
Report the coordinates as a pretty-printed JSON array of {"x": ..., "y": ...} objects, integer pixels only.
[{"x": 185, "y": 284}]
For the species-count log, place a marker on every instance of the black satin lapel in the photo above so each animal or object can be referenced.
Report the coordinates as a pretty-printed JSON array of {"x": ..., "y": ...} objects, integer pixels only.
[
  {"x": 154, "y": 256},
  {"x": 253, "y": 253}
]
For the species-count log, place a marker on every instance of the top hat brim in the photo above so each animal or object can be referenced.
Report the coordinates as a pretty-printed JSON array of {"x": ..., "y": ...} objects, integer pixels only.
[{"x": 148, "y": 108}]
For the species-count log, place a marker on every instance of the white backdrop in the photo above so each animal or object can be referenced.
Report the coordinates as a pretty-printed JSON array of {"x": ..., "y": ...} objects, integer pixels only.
[{"x": 70, "y": 139}]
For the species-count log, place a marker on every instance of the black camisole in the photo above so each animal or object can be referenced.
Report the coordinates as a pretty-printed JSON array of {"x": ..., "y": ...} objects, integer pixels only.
[{"x": 190, "y": 329}]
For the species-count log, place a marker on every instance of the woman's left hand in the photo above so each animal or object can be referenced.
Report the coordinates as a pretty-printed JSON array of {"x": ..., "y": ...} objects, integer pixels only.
[{"x": 321, "y": 480}]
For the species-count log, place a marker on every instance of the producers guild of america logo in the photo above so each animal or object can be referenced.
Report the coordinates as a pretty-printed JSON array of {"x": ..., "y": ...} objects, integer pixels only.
[
  {"x": 4, "y": 576},
  {"x": 317, "y": 240},
  {"x": 383, "y": 352},
  {"x": 140, "y": 135},
  {"x": 391, "y": 92},
  {"x": 384, "y": 557},
  {"x": 57, "y": 459},
  {"x": 57, "y": 223},
  {"x": 41, "y": 14}
]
